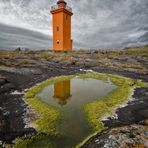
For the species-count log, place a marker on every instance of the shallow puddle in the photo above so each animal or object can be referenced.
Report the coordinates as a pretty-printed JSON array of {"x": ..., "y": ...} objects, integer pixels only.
[{"x": 69, "y": 96}]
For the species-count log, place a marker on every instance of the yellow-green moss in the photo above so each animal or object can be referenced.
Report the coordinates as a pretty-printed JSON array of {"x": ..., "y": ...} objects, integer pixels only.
[
  {"x": 47, "y": 116},
  {"x": 95, "y": 111},
  {"x": 36, "y": 141}
]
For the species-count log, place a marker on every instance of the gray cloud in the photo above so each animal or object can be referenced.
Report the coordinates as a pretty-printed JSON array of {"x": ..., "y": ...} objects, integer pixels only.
[
  {"x": 95, "y": 24},
  {"x": 13, "y": 37}
]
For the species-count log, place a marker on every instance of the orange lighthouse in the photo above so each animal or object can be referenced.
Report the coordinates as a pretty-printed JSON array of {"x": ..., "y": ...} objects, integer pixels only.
[{"x": 61, "y": 26}]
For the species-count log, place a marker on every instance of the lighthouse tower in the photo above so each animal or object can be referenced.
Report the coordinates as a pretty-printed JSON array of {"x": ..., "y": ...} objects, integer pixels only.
[{"x": 61, "y": 21}]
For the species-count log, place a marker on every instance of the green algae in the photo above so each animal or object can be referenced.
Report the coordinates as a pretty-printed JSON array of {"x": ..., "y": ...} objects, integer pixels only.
[
  {"x": 33, "y": 142},
  {"x": 95, "y": 111}
]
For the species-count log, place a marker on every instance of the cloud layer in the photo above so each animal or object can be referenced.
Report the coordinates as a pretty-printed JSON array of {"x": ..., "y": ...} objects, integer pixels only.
[
  {"x": 13, "y": 37},
  {"x": 95, "y": 24}
]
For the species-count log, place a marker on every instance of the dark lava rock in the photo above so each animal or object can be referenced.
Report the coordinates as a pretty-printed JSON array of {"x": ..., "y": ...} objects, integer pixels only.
[
  {"x": 134, "y": 112},
  {"x": 2, "y": 81},
  {"x": 57, "y": 60},
  {"x": 6, "y": 88},
  {"x": 11, "y": 118}
]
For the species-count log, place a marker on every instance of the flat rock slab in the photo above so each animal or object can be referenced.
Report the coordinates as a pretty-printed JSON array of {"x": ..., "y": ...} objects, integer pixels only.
[
  {"x": 6, "y": 88},
  {"x": 2, "y": 81}
]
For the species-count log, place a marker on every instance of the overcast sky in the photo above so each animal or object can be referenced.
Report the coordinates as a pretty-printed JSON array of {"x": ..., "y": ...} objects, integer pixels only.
[{"x": 97, "y": 24}]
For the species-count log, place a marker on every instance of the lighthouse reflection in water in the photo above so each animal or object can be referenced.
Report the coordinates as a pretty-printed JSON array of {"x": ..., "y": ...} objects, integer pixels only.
[{"x": 62, "y": 92}]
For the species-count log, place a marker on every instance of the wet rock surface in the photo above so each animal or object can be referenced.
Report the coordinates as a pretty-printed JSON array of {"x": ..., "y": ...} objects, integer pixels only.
[
  {"x": 12, "y": 109},
  {"x": 134, "y": 112},
  {"x": 25, "y": 69}
]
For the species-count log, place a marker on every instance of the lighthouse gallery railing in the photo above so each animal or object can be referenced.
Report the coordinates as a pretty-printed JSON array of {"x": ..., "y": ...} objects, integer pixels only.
[{"x": 57, "y": 7}]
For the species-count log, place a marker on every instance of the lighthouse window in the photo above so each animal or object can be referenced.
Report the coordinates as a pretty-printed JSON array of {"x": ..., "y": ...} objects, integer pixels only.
[
  {"x": 57, "y": 28},
  {"x": 58, "y": 41}
]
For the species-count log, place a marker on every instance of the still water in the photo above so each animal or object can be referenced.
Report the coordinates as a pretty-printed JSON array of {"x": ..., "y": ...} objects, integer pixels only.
[{"x": 69, "y": 96}]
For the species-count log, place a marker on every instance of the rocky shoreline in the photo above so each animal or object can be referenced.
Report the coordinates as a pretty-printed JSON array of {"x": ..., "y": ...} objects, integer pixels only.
[{"x": 23, "y": 69}]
